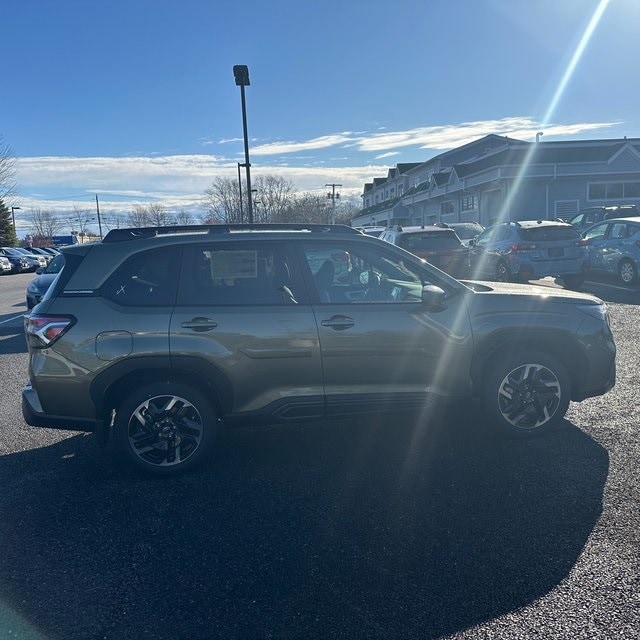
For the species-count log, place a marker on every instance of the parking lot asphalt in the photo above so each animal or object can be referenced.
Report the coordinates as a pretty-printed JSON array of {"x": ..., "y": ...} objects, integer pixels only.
[{"x": 413, "y": 527}]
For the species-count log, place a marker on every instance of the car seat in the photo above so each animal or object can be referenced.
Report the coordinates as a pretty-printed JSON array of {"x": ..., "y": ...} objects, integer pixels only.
[{"x": 324, "y": 280}]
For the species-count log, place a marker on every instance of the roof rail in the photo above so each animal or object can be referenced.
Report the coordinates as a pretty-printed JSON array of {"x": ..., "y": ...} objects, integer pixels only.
[{"x": 136, "y": 233}]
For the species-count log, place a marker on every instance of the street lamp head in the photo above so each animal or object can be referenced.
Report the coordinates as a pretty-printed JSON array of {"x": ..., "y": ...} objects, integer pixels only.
[{"x": 241, "y": 75}]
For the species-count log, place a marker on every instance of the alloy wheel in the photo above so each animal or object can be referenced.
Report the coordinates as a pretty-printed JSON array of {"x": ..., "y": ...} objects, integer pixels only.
[
  {"x": 627, "y": 272},
  {"x": 529, "y": 396},
  {"x": 165, "y": 430}
]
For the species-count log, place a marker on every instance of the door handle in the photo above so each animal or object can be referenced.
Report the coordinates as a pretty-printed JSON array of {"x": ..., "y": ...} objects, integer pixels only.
[
  {"x": 200, "y": 324},
  {"x": 338, "y": 322}
]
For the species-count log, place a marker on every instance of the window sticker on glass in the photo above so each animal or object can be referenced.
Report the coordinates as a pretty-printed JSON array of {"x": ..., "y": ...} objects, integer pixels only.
[{"x": 234, "y": 264}]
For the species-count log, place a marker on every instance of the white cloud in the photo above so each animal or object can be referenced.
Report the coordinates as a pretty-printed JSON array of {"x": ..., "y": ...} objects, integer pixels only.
[
  {"x": 387, "y": 155},
  {"x": 179, "y": 181},
  {"x": 322, "y": 142},
  {"x": 440, "y": 137}
]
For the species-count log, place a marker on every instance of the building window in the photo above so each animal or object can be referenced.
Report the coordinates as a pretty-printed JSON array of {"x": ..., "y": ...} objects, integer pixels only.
[
  {"x": 613, "y": 190},
  {"x": 447, "y": 207},
  {"x": 400, "y": 189},
  {"x": 468, "y": 203}
]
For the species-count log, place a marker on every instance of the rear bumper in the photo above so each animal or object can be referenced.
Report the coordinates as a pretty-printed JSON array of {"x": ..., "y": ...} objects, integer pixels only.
[
  {"x": 36, "y": 417},
  {"x": 542, "y": 269}
]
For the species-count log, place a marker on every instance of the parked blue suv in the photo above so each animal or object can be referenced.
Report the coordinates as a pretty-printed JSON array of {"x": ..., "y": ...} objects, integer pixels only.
[{"x": 528, "y": 250}]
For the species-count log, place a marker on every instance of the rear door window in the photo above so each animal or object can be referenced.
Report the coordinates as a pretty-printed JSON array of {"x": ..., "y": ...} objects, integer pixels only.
[
  {"x": 148, "y": 279},
  {"x": 440, "y": 241},
  {"x": 243, "y": 273}
]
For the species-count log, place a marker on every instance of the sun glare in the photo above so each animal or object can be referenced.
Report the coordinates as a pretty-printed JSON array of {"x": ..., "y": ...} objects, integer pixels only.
[{"x": 557, "y": 96}]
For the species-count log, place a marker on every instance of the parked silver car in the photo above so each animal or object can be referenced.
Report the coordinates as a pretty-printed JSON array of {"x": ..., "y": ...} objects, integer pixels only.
[{"x": 614, "y": 247}]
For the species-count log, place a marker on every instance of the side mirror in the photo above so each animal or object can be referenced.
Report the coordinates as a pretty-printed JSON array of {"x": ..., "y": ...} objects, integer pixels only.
[
  {"x": 472, "y": 242},
  {"x": 433, "y": 297},
  {"x": 39, "y": 270}
]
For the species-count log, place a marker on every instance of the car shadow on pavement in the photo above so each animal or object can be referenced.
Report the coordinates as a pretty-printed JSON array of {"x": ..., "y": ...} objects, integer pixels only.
[
  {"x": 391, "y": 528},
  {"x": 12, "y": 338}
]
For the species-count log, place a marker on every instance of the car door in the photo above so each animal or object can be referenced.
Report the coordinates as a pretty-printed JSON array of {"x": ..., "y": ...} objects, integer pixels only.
[
  {"x": 597, "y": 243},
  {"x": 243, "y": 320},
  {"x": 621, "y": 244},
  {"x": 382, "y": 348},
  {"x": 484, "y": 252}
]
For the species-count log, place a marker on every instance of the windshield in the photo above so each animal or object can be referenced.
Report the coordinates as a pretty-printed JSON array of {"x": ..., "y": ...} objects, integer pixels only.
[
  {"x": 467, "y": 230},
  {"x": 55, "y": 265},
  {"x": 549, "y": 233}
]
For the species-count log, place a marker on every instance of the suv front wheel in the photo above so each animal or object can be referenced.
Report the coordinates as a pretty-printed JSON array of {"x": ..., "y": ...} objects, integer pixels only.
[
  {"x": 526, "y": 393},
  {"x": 165, "y": 428}
]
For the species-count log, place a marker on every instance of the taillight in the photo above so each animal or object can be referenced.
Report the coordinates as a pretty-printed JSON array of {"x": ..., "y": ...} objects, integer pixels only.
[
  {"x": 522, "y": 246},
  {"x": 42, "y": 330}
]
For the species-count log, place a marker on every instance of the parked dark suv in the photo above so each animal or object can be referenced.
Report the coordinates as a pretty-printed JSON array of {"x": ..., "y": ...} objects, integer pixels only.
[
  {"x": 438, "y": 245},
  {"x": 588, "y": 217},
  {"x": 163, "y": 335}
]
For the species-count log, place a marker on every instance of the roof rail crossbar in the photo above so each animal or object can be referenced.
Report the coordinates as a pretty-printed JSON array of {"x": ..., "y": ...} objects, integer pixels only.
[{"x": 136, "y": 233}]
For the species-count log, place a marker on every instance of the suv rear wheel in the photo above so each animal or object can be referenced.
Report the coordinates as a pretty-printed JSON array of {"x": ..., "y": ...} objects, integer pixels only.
[
  {"x": 526, "y": 393},
  {"x": 165, "y": 428}
]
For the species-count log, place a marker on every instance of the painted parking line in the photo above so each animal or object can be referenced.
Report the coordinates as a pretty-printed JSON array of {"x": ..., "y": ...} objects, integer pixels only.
[
  {"x": 10, "y": 319},
  {"x": 610, "y": 285}
]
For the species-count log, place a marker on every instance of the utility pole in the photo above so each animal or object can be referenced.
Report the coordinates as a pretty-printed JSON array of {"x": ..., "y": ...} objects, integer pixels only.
[
  {"x": 98, "y": 212},
  {"x": 332, "y": 195},
  {"x": 13, "y": 217}
]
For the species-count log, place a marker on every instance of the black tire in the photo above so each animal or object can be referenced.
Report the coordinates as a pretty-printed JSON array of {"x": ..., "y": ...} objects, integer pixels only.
[
  {"x": 165, "y": 428},
  {"x": 573, "y": 281},
  {"x": 503, "y": 273},
  {"x": 627, "y": 272},
  {"x": 526, "y": 394}
]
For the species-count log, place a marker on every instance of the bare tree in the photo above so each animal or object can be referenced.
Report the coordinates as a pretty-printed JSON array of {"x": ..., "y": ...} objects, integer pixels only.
[
  {"x": 347, "y": 210},
  {"x": 46, "y": 223},
  {"x": 222, "y": 201},
  {"x": 82, "y": 220},
  {"x": 139, "y": 217},
  {"x": 274, "y": 194},
  {"x": 7, "y": 170},
  {"x": 183, "y": 218},
  {"x": 305, "y": 207},
  {"x": 158, "y": 215}
]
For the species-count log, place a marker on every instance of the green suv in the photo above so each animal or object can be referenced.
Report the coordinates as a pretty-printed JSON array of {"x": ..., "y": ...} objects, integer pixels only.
[{"x": 160, "y": 336}]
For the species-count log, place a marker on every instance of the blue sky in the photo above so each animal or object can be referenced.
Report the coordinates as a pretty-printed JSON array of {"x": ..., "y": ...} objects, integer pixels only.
[{"x": 135, "y": 100}]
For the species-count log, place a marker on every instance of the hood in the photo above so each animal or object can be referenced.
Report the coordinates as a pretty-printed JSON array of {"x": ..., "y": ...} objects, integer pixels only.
[{"x": 532, "y": 291}]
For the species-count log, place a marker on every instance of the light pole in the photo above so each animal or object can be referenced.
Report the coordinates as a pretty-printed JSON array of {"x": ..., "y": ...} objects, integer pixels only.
[
  {"x": 240, "y": 164},
  {"x": 241, "y": 75},
  {"x": 540, "y": 133},
  {"x": 13, "y": 218}
]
